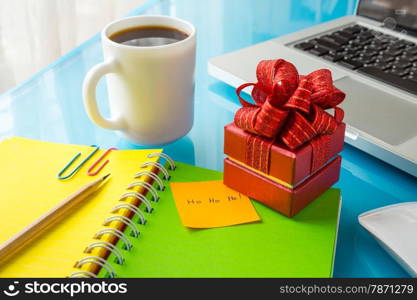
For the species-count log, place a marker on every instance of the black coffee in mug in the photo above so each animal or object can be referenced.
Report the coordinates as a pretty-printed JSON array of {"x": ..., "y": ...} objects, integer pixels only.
[{"x": 148, "y": 36}]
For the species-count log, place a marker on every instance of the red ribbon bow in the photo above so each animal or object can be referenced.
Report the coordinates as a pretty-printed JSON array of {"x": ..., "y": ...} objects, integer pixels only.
[{"x": 290, "y": 108}]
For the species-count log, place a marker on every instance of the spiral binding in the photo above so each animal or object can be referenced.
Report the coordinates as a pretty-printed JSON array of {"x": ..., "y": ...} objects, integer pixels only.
[
  {"x": 166, "y": 157},
  {"x": 101, "y": 262},
  {"x": 147, "y": 186},
  {"x": 140, "y": 197},
  {"x": 161, "y": 185},
  {"x": 128, "y": 222},
  {"x": 133, "y": 209},
  {"x": 117, "y": 233},
  {"x": 108, "y": 246},
  {"x": 157, "y": 165},
  {"x": 83, "y": 274}
]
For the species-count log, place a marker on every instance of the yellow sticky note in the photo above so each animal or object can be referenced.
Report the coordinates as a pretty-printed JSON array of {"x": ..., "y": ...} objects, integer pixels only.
[{"x": 211, "y": 204}]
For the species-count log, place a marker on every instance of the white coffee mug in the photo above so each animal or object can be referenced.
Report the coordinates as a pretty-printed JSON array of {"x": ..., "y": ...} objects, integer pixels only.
[{"x": 151, "y": 89}]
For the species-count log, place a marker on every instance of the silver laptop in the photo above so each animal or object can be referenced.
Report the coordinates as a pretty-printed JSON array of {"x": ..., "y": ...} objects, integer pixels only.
[{"x": 373, "y": 57}]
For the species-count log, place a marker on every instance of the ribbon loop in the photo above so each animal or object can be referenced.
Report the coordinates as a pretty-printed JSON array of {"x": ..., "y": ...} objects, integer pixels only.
[
  {"x": 241, "y": 100},
  {"x": 290, "y": 108},
  {"x": 245, "y": 118},
  {"x": 270, "y": 120},
  {"x": 323, "y": 122},
  {"x": 298, "y": 131},
  {"x": 301, "y": 98},
  {"x": 325, "y": 94},
  {"x": 283, "y": 97}
]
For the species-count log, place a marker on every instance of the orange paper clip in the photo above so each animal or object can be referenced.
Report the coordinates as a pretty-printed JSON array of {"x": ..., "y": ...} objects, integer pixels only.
[{"x": 90, "y": 170}]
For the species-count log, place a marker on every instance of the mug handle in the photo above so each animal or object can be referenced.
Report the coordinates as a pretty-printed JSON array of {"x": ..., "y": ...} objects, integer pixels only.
[{"x": 89, "y": 95}]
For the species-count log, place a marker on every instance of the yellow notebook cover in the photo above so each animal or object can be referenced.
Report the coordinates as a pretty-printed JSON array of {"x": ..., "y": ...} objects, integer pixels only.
[{"x": 29, "y": 188}]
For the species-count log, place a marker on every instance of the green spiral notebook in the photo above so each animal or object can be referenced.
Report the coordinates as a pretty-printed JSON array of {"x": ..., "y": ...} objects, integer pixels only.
[{"x": 275, "y": 247}]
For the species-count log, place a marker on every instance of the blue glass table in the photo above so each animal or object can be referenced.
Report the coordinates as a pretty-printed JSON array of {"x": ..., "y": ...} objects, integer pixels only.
[{"x": 49, "y": 107}]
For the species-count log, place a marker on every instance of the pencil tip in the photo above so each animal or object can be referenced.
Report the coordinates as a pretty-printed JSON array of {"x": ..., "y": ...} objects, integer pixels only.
[{"x": 105, "y": 177}]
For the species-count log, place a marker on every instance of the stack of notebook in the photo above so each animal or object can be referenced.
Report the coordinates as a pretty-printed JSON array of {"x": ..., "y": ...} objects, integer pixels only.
[{"x": 94, "y": 241}]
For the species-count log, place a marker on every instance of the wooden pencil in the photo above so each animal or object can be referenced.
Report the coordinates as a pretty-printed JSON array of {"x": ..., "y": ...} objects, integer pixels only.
[{"x": 56, "y": 214}]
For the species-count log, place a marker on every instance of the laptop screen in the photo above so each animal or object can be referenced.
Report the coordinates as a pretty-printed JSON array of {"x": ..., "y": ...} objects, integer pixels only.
[{"x": 395, "y": 14}]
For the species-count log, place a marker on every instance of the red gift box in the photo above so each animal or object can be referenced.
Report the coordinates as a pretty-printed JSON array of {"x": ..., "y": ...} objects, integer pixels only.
[
  {"x": 289, "y": 167},
  {"x": 283, "y": 147},
  {"x": 283, "y": 199}
]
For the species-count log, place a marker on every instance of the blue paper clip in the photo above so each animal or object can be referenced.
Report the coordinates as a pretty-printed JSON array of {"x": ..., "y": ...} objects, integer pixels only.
[{"x": 59, "y": 176}]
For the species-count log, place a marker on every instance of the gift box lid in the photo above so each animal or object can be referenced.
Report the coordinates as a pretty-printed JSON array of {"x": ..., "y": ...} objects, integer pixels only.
[{"x": 288, "y": 167}]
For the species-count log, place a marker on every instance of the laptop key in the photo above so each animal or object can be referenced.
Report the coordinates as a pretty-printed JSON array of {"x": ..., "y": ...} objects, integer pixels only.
[
  {"x": 350, "y": 63},
  {"x": 328, "y": 44},
  {"x": 383, "y": 65},
  {"x": 390, "y": 37},
  {"x": 355, "y": 45},
  {"x": 389, "y": 78},
  {"x": 337, "y": 40},
  {"x": 345, "y": 34},
  {"x": 402, "y": 64},
  {"x": 408, "y": 44},
  {"x": 410, "y": 58},
  {"x": 400, "y": 72},
  {"x": 376, "y": 47},
  {"x": 369, "y": 53},
  {"x": 366, "y": 35},
  {"x": 393, "y": 52},
  {"x": 340, "y": 39},
  {"x": 319, "y": 51},
  {"x": 304, "y": 46},
  {"x": 365, "y": 42},
  {"x": 333, "y": 57},
  {"x": 350, "y": 57},
  {"x": 380, "y": 43},
  {"x": 366, "y": 60},
  {"x": 398, "y": 45},
  {"x": 351, "y": 51},
  {"x": 412, "y": 50},
  {"x": 351, "y": 30},
  {"x": 385, "y": 58},
  {"x": 334, "y": 40}
]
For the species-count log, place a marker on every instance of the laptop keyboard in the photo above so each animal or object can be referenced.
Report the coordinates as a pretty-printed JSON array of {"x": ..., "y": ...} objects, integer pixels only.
[{"x": 378, "y": 55}]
